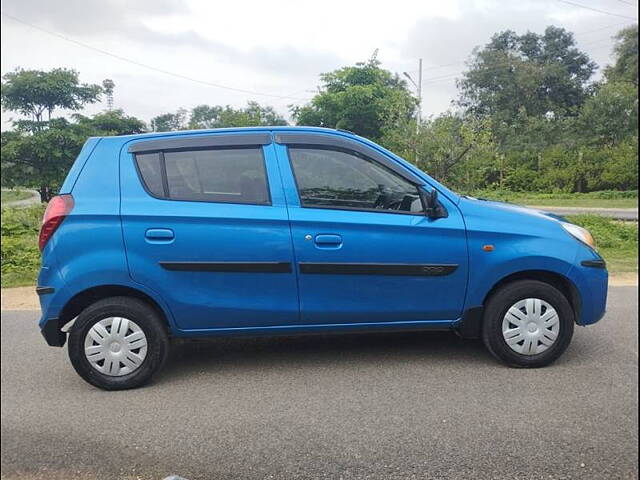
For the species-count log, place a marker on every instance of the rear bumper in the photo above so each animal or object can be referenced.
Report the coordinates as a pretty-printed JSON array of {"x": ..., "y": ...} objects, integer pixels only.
[{"x": 53, "y": 334}]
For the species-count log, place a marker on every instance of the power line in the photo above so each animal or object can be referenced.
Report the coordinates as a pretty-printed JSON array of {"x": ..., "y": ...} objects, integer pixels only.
[
  {"x": 597, "y": 10},
  {"x": 627, "y": 3},
  {"x": 585, "y": 32},
  {"x": 150, "y": 67}
]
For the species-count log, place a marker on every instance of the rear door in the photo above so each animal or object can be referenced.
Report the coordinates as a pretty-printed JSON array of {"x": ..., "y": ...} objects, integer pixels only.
[
  {"x": 205, "y": 226},
  {"x": 365, "y": 250}
]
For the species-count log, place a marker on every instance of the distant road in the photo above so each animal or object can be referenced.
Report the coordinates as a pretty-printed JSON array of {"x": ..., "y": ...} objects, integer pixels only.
[
  {"x": 34, "y": 199},
  {"x": 617, "y": 213}
]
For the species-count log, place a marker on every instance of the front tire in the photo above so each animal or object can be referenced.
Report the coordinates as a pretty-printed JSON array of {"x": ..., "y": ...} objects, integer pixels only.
[
  {"x": 527, "y": 323},
  {"x": 118, "y": 343}
]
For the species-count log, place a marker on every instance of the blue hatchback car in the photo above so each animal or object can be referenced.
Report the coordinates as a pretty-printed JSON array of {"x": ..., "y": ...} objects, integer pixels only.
[{"x": 290, "y": 230}]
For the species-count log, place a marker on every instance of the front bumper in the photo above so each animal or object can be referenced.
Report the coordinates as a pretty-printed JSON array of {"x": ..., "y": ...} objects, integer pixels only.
[{"x": 591, "y": 278}]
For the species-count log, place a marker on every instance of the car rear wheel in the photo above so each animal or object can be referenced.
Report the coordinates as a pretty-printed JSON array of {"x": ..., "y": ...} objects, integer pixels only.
[
  {"x": 118, "y": 343},
  {"x": 528, "y": 323}
]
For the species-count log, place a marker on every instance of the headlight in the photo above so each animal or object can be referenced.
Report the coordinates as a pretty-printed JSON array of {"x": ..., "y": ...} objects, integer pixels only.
[{"x": 580, "y": 233}]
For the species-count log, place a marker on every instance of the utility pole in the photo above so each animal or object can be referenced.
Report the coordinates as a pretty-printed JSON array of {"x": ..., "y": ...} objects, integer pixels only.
[
  {"x": 418, "y": 86},
  {"x": 419, "y": 91}
]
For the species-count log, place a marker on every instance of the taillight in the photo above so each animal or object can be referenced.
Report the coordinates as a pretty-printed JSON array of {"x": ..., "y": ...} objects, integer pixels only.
[{"x": 57, "y": 210}]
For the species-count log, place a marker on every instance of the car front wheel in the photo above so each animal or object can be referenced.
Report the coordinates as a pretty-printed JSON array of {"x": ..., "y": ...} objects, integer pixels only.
[{"x": 528, "y": 323}]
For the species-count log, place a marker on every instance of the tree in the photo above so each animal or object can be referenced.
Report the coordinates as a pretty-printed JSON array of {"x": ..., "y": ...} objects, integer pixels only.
[
  {"x": 364, "y": 99},
  {"x": 611, "y": 115},
  {"x": 254, "y": 115},
  {"x": 39, "y": 152},
  {"x": 109, "y": 123},
  {"x": 535, "y": 73},
  {"x": 625, "y": 69},
  {"x": 39, "y": 160},
  {"x": 34, "y": 92},
  {"x": 169, "y": 122}
]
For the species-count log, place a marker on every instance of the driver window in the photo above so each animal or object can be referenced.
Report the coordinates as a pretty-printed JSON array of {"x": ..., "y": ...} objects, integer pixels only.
[{"x": 330, "y": 178}]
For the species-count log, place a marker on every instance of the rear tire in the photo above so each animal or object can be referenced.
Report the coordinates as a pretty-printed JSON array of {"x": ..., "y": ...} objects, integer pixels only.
[
  {"x": 527, "y": 323},
  {"x": 118, "y": 343}
]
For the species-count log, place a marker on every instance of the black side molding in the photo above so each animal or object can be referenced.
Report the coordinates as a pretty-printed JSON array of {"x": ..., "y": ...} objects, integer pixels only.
[
  {"x": 229, "y": 267},
  {"x": 44, "y": 290},
  {"x": 594, "y": 263},
  {"x": 402, "y": 269},
  {"x": 182, "y": 142},
  {"x": 339, "y": 142}
]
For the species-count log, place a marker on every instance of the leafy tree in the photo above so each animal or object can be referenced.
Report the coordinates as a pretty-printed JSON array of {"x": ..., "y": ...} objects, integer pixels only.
[
  {"x": 169, "y": 122},
  {"x": 611, "y": 115},
  {"x": 364, "y": 98},
  {"x": 112, "y": 122},
  {"x": 205, "y": 116},
  {"x": 38, "y": 152},
  {"x": 530, "y": 72},
  {"x": 39, "y": 159},
  {"x": 625, "y": 69},
  {"x": 34, "y": 92}
]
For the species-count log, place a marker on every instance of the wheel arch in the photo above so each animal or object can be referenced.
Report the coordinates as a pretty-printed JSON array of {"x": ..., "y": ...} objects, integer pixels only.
[
  {"x": 470, "y": 325},
  {"x": 556, "y": 280},
  {"x": 83, "y": 299}
]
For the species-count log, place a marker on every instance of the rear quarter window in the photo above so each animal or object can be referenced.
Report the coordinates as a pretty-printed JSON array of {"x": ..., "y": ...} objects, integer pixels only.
[{"x": 221, "y": 175}]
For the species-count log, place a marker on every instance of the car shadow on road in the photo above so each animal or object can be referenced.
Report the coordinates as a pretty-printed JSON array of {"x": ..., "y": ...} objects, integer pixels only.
[{"x": 249, "y": 353}]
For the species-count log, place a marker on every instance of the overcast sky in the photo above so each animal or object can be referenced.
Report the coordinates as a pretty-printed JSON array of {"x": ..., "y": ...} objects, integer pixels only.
[{"x": 274, "y": 50}]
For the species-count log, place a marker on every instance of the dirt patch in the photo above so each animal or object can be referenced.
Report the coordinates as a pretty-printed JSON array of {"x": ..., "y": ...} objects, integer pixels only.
[
  {"x": 20, "y": 298},
  {"x": 25, "y": 298},
  {"x": 624, "y": 280}
]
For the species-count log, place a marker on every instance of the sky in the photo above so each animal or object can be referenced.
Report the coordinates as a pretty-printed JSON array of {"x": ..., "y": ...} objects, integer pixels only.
[{"x": 169, "y": 54}]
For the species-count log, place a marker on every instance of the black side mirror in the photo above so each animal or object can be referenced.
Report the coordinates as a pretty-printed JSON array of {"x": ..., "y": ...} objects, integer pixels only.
[{"x": 432, "y": 207}]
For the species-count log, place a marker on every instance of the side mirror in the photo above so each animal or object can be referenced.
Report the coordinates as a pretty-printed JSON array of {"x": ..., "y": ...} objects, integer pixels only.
[{"x": 432, "y": 207}]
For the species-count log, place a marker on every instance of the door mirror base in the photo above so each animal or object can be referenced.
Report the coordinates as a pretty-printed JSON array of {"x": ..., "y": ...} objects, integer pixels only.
[{"x": 432, "y": 207}]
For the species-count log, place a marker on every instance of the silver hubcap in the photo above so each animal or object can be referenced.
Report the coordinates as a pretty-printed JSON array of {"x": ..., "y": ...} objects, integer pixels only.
[
  {"x": 530, "y": 326},
  {"x": 115, "y": 346}
]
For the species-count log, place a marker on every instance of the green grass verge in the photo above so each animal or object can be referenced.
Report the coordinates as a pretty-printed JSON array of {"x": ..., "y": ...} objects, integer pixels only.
[
  {"x": 617, "y": 243},
  {"x": 604, "y": 199},
  {"x": 14, "y": 195},
  {"x": 20, "y": 254}
]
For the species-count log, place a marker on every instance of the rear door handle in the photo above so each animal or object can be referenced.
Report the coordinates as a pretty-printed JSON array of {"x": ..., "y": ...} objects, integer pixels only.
[
  {"x": 328, "y": 240},
  {"x": 159, "y": 235}
]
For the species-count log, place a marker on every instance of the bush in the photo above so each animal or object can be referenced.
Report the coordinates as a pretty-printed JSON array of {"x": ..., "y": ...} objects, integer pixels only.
[{"x": 19, "y": 253}]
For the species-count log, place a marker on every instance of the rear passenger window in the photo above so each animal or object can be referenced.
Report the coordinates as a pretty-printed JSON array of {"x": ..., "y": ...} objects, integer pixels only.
[
  {"x": 150, "y": 169},
  {"x": 217, "y": 175}
]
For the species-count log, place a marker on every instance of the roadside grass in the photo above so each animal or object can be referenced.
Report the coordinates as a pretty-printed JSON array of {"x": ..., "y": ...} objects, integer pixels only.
[
  {"x": 617, "y": 242},
  {"x": 602, "y": 199},
  {"x": 19, "y": 252},
  {"x": 14, "y": 195}
]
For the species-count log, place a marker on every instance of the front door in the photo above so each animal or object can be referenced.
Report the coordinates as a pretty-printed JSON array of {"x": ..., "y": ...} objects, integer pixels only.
[
  {"x": 205, "y": 226},
  {"x": 365, "y": 251}
]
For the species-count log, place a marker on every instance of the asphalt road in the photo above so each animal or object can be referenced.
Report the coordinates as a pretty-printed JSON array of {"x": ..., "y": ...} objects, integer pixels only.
[{"x": 382, "y": 406}]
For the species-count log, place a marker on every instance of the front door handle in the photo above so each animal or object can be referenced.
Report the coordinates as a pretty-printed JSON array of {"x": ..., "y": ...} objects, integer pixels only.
[
  {"x": 328, "y": 240},
  {"x": 159, "y": 235}
]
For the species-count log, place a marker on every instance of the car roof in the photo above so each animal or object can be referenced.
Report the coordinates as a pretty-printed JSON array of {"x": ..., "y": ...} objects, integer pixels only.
[{"x": 140, "y": 136}]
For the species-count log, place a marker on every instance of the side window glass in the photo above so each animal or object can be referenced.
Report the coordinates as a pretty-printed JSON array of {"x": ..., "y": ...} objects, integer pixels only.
[
  {"x": 342, "y": 179},
  {"x": 151, "y": 172},
  {"x": 229, "y": 175}
]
